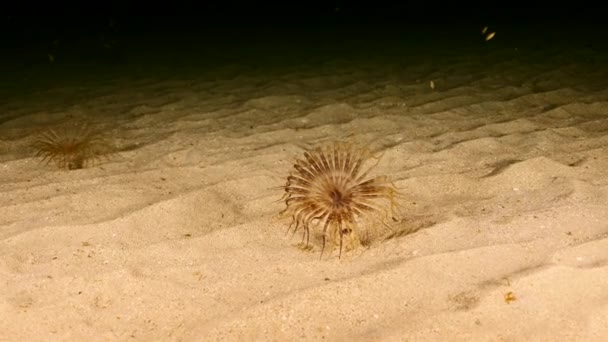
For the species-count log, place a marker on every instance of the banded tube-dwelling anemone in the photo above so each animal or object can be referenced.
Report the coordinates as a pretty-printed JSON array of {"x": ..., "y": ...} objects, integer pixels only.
[
  {"x": 329, "y": 188},
  {"x": 71, "y": 146}
]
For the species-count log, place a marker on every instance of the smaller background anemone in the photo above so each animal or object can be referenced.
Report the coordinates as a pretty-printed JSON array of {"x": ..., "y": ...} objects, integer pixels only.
[{"x": 71, "y": 146}]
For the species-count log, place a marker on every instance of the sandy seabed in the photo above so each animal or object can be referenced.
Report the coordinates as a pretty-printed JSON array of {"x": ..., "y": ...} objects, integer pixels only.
[{"x": 502, "y": 234}]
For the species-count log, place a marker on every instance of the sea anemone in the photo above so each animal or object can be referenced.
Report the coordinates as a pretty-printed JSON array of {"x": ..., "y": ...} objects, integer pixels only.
[
  {"x": 71, "y": 146},
  {"x": 328, "y": 188}
]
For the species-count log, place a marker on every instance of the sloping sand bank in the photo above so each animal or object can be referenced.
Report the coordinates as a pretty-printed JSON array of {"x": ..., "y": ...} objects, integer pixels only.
[{"x": 502, "y": 235}]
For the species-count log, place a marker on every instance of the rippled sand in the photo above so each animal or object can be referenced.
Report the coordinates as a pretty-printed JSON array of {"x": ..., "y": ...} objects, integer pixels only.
[{"x": 503, "y": 233}]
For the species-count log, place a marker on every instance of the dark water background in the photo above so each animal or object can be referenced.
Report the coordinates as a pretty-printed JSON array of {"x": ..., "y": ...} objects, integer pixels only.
[
  {"x": 59, "y": 44},
  {"x": 268, "y": 34}
]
